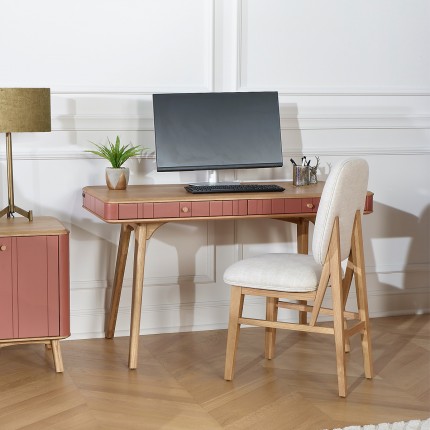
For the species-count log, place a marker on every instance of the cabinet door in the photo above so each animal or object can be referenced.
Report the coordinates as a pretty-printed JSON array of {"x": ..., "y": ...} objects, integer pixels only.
[
  {"x": 6, "y": 291},
  {"x": 37, "y": 286}
]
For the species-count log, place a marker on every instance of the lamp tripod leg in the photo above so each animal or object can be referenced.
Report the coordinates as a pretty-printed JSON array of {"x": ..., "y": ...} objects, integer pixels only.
[
  {"x": 4, "y": 212},
  {"x": 11, "y": 208},
  {"x": 7, "y": 211},
  {"x": 27, "y": 214}
]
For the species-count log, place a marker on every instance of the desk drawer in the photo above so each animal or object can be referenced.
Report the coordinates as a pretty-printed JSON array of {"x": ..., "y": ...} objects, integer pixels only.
[
  {"x": 194, "y": 209},
  {"x": 198, "y": 209}
]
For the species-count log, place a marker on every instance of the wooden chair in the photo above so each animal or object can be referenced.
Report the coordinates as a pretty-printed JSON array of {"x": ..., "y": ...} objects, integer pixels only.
[{"x": 337, "y": 237}]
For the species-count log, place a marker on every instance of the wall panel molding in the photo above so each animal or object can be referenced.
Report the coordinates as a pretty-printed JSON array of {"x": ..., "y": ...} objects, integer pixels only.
[
  {"x": 399, "y": 268},
  {"x": 209, "y": 277},
  {"x": 323, "y": 121},
  {"x": 340, "y": 92},
  {"x": 318, "y": 121},
  {"x": 315, "y": 121},
  {"x": 156, "y": 47},
  {"x": 206, "y": 271},
  {"x": 341, "y": 150},
  {"x": 212, "y": 315},
  {"x": 315, "y": 52}
]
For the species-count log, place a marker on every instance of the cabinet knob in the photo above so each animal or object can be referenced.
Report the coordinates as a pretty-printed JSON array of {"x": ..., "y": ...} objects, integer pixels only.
[
  {"x": 3, "y": 248},
  {"x": 185, "y": 209},
  {"x": 310, "y": 205}
]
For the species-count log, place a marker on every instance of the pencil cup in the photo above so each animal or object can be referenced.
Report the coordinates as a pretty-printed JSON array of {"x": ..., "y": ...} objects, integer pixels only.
[{"x": 300, "y": 175}]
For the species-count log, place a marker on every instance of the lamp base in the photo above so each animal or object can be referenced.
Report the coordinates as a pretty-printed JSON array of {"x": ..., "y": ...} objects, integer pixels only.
[{"x": 10, "y": 213}]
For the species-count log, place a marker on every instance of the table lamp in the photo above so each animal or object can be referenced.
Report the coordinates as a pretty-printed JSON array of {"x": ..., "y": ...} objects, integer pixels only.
[{"x": 22, "y": 110}]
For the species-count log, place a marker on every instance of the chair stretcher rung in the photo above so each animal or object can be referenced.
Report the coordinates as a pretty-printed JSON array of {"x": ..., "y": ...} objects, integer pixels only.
[
  {"x": 308, "y": 308},
  {"x": 285, "y": 325}
]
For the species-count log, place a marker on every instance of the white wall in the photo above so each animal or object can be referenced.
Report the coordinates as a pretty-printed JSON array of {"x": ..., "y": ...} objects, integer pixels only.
[{"x": 353, "y": 78}]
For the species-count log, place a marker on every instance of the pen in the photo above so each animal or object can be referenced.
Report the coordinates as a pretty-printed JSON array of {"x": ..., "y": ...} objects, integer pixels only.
[{"x": 294, "y": 163}]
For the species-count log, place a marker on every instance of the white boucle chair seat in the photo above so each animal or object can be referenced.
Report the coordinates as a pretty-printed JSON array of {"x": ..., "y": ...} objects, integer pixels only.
[{"x": 280, "y": 272}]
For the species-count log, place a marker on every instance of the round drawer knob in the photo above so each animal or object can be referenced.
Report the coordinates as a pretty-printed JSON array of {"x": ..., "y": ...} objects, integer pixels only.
[
  {"x": 185, "y": 209},
  {"x": 310, "y": 205},
  {"x": 3, "y": 248}
]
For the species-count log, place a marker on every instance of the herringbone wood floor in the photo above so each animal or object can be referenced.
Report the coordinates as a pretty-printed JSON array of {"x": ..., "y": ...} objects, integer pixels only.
[{"x": 179, "y": 384}]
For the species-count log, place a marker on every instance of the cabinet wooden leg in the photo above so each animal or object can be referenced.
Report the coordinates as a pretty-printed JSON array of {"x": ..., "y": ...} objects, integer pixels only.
[{"x": 56, "y": 353}]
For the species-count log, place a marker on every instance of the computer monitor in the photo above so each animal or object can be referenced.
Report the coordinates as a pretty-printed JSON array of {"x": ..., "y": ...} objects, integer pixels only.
[{"x": 212, "y": 131}]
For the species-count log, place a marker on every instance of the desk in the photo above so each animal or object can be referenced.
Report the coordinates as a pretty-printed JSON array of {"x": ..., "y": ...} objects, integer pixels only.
[{"x": 145, "y": 208}]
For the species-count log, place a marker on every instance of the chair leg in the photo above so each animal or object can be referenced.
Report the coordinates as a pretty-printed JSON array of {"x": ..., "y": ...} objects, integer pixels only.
[
  {"x": 346, "y": 286},
  {"x": 338, "y": 307},
  {"x": 271, "y": 315},
  {"x": 303, "y": 248},
  {"x": 347, "y": 342},
  {"x": 339, "y": 338},
  {"x": 362, "y": 303},
  {"x": 236, "y": 308},
  {"x": 365, "y": 336}
]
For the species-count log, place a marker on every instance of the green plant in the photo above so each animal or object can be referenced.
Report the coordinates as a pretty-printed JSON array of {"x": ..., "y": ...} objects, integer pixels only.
[{"x": 116, "y": 154}]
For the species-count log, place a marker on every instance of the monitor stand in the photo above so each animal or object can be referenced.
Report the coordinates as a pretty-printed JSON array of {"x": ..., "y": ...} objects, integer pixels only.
[{"x": 213, "y": 180}]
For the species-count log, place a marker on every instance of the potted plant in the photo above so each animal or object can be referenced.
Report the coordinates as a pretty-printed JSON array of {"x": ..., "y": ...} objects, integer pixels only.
[{"x": 117, "y": 154}]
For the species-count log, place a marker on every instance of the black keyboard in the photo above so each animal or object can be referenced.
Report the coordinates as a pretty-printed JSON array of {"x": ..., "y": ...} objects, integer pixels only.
[{"x": 236, "y": 188}]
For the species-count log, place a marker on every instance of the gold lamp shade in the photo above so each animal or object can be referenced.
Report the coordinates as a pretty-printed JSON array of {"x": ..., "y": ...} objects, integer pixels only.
[
  {"x": 22, "y": 110},
  {"x": 25, "y": 109}
]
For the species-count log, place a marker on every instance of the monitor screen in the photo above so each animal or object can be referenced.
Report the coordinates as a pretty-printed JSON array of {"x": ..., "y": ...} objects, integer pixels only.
[{"x": 217, "y": 131}]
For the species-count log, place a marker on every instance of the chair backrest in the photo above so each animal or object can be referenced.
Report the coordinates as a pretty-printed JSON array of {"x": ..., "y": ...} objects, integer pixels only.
[{"x": 344, "y": 193}]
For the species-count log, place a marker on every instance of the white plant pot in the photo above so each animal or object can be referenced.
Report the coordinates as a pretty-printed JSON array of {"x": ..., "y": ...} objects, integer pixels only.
[{"x": 117, "y": 178}]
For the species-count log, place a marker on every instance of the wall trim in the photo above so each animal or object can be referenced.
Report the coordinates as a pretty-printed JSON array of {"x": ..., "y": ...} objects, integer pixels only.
[
  {"x": 226, "y": 303},
  {"x": 97, "y": 316},
  {"x": 283, "y": 92},
  {"x": 321, "y": 121},
  {"x": 78, "y": 154},
  {"x": 316, "y": 121},
  {"x": 342, "y": 92},
  {"x": 383, "y": 269},
  {"x": 209, "y": 277}
]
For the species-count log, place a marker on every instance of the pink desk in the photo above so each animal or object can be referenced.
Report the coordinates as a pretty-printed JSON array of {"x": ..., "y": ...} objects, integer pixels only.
[{"x": 144, "y": 208}]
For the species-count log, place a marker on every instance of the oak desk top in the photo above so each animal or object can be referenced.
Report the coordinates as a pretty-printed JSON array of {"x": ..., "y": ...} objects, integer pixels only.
[{"x": 175, "y": 192}]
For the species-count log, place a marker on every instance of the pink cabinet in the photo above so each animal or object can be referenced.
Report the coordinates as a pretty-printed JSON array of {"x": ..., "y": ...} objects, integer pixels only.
[{"x": 34, "y": 279}]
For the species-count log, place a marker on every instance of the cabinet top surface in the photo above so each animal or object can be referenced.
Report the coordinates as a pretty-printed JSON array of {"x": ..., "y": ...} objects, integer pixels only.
[{"x": 39, "y": 226}]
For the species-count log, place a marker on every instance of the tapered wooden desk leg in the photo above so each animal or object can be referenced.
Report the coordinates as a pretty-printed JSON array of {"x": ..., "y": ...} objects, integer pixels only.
[
  {"x": 121, "y": 259},
  {"x": 136, "y": 305},
  {"x": 303, "y": 248}
]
